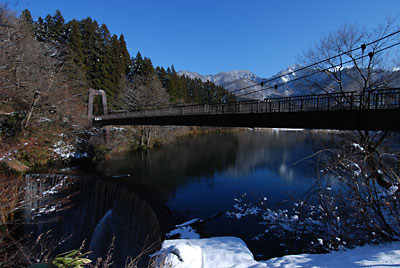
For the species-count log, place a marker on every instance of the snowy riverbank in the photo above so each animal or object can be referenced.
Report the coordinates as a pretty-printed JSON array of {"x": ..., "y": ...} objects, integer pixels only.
[{"x": 232, "y": 252}]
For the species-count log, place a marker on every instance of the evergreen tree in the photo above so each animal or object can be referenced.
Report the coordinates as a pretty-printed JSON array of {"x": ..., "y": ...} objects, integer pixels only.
[
  {"x": 117, "y": 57},
  {"x": 89, "y": 40},
  {"x": 48, "y": 25},
  {"x": 162, "y": 76},
  {"x": 74, "y": 58},
  {"x": 74, "y": 42},
  {"x": 136, "y": 68},
  {"x": 26, "y": 17},
  {"x": 125, "y": 54},
  {"x": 57, "y": 30},
  {"x": 40, "y": 30},
  {"x": 104, "y": 63}
]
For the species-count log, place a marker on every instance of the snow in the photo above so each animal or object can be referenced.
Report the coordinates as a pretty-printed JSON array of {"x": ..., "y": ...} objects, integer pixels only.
[
  {"x": 287, "y": 129},
  {"x": 232, "y": 252},
  {"x": 216, "y": 252},
  {"x": 358, "y": 146},
  {"x": 185, "y": 231},
  {"x": 189, "y": 222},
  {"x": 63, "y": 150},
  {"x": 387, "y": 255},
  {"x": 243, "y": 211},
  {"x": 66, "y": 151}
]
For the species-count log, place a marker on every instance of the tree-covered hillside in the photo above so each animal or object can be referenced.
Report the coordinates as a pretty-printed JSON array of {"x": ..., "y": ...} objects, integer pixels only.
[
  {"x": 98, "y": 59},
  {"x": 47, "y": 67}
]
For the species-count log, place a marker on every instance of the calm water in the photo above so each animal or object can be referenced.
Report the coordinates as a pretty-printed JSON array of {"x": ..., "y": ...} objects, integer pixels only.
[{"x": 202, "y": 175}]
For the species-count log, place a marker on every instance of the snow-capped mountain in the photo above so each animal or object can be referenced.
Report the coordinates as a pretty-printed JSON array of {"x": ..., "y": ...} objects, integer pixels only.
[
  {"x": 235, "y": 81},
  {"x": 223, "y": 77},
  {"x": 232, "y": 81},
  {"x": 245, "y": 84}
]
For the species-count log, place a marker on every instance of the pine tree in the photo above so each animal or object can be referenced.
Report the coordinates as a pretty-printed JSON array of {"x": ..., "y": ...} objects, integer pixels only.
[
  {"x": 104, "y": 64},
  {"x": 57, "y": 31},
  {"x": 74, "y": 58},
  {"x": 117, "y": 69},
  {"x": 40, "y": 30},
  {"x": 26, "y": 17},
  {"x": 48, "y": 25},
  {"x": 162, "y": 76},
  {"x": 125, "y": 54},
  {"x": 89, "y": 40},
  {"x": 118, "y": 63},
  {"x": 136, "y": 68}
]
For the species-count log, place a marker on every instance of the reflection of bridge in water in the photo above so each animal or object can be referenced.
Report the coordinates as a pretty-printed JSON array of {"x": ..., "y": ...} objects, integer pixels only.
[{"x": 375, "y": 110}]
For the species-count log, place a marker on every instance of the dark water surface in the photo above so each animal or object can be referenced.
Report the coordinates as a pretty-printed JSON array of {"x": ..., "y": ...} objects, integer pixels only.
[
  {"x": 140, "y": 196},
  {"x": 201, "y": 176}
]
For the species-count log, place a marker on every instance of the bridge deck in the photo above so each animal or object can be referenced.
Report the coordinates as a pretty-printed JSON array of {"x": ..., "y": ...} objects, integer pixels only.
[{"x": 377, "y": 110}]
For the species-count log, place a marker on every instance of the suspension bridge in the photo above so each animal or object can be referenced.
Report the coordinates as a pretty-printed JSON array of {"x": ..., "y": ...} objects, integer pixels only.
[{"x": 374, "y": 110}]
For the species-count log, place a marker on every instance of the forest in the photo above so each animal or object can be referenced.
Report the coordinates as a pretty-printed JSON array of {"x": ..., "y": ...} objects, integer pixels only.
[
  {"x": 58, "y": 61},
  {"x": 49, "y": 65}
]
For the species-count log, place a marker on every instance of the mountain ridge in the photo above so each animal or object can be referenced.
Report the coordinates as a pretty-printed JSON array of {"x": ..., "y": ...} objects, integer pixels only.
[
  {"x": 246, "y": 85},
  {"x": 236, "y": 80}
]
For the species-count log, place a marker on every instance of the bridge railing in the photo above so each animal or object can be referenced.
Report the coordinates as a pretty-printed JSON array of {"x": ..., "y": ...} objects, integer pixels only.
[{"x": 377, "y": 99}]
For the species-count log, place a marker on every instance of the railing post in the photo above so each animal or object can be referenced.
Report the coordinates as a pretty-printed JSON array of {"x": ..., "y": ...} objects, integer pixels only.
[
  {"x": 317, "y": 102},
  {"x": 329, "y": 102},
  {"x": 351, "y": 100},
  {"x": 398, "y": 102},
  {"x": 368, "y": 100}
]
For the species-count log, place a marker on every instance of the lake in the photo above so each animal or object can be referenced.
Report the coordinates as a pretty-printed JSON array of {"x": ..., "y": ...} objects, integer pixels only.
[
  {"x": 198, "y": 178},
  {"x": 201, "y": 176}
]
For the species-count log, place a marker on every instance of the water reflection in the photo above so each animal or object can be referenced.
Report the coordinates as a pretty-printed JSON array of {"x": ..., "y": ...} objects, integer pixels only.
[
  {"x": 236, "y": 155},
  {"x": 202, "y": 175},
  {"x": 171, "y": 166}
]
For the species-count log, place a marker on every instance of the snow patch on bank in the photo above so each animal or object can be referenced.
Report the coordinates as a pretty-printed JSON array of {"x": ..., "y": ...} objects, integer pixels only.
[
  {"x": 232, "y": 252},
  {"x": 66, "y": 151},
  {"x": 185, "y": 231},
  {"x": 386, "y": 255}
]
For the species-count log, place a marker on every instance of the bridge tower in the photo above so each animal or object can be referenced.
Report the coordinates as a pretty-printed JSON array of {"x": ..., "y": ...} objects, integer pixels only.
[{"x": 92, "y": 93}]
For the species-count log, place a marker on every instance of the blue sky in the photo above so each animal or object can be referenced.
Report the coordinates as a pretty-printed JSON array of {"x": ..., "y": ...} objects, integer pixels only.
[{"x": 209, "y": 36}]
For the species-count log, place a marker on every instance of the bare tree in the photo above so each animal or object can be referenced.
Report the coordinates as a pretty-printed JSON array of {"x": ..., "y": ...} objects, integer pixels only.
[
  {"x": 145, "y": 93},
  {"x": 353, "y": 59},
  {"x": 31, "y": 77},
  {"x": 365, "y": 164}
]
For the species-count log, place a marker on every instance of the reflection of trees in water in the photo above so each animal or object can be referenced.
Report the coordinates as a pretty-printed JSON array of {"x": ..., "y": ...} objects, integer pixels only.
[
  {"x": 173, "y": 165},
  {"x": 238, "y": 154},
  {"x": 276, "y": 151}
]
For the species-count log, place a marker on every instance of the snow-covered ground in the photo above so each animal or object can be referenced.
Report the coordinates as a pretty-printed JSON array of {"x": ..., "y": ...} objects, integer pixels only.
[{"x": 232, "y": 252}]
